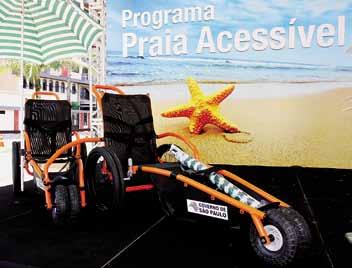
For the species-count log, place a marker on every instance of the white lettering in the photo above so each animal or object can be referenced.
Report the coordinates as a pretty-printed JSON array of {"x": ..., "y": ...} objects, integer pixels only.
[
  {"x": 129, "y": 40},
  {"x": 260, "y": 38},
  {"x": 306, "y": 40},
  {"x": 206, "y": 41},
  {"x": 242, "y": 39},
  {"x": 277, "y": 35},
  {"x": 325, "y": 34}
]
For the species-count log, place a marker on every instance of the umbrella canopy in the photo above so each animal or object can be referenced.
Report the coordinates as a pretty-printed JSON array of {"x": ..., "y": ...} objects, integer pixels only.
[{"x": 51, "y": 30}]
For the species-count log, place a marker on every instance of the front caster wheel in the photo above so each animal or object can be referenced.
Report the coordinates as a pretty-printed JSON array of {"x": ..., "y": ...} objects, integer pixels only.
[
  {"x": 285, "y": 238},
  {"x": 75, "y": 206},
  {"x": 61, "y": 204},
  {"x": 302, "y": 230}
]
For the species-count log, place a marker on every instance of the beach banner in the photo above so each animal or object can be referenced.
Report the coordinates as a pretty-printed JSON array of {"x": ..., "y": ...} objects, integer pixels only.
[{"x": 248, "y": 82}]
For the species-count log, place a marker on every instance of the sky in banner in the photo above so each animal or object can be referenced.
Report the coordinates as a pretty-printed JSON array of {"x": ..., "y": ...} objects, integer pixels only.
[{"x": 232, "y": 15}]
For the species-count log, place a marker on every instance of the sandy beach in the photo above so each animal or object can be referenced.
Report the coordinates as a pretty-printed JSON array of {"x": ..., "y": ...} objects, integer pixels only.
[{"x": 303, "y": 125}]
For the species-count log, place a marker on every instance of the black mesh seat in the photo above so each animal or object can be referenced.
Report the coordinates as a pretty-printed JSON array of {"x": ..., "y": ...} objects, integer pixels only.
[
  {"x": 129, "y": 129},
  {"x": 48, "y": 124}
]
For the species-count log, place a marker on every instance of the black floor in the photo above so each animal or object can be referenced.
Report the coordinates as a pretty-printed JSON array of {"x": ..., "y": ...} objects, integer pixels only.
[{"x": 141, "y": 237}]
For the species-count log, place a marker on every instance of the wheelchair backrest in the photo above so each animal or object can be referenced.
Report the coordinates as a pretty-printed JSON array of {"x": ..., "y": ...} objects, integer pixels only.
[
  {"x": 128, "y": 127},
  {"x": 48, "y": 124}
]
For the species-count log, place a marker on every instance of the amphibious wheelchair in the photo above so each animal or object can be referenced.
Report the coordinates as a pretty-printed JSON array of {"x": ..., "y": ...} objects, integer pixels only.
[
  {"x": 51, "y": 157},
  {"x": 132, "y": 161}
]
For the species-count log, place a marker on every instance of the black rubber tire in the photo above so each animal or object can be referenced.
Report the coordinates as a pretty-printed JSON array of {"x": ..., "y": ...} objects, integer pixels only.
[
  {"x": 75, "y": 206},
  {"x": 121, "y": 180},
  {"x": 61, "y": 205},
  {"x": 16, "y": 167},
  {"x": 302, "y": 230},
  {"x": 287, "y": 253},
  {"x": 103, "y": 194}
]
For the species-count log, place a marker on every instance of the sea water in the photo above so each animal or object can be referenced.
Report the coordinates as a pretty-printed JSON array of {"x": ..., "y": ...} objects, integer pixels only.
[{"x": 156, "y": 70}]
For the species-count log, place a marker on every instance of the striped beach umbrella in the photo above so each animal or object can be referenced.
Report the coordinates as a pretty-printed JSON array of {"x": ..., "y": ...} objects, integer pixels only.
[{"x": 47, "y": 30}]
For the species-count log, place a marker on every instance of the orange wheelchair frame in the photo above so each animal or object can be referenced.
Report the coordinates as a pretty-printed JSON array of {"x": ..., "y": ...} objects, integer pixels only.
[
  {"x": 266, "y": 241},
  {"x": 43, "y": 173}
]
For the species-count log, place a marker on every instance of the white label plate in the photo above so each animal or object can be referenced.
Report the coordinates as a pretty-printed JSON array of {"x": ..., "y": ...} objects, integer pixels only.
[{"x": 207, "y": 209}]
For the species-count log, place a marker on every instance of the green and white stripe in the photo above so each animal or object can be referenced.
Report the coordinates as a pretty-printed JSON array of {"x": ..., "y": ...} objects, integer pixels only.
[
  {"x": 53, "y": 29},
  {"x": 217, "y": 179}
]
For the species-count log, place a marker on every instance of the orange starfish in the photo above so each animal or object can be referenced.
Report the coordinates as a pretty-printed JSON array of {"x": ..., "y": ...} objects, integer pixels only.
[{"x": 202, "y": 110}]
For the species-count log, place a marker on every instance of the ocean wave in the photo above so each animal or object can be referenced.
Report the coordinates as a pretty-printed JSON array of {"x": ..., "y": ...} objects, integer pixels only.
[
  {"x": 223, "y": 63},
  {"x": 343, "y": 69},
  {"x": 124, "y": 74},
  {"x": 226, "y": 82},
  {"x": 113, "y": 63},
  {"x": 238, "y": 62},
  {"x": 158, "y": 70}
]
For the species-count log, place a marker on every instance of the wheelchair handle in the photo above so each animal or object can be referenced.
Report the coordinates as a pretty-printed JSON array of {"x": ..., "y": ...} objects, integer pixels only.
[
  {"x": 99, "y": 91},
  {"x": 38, "y": 93}
]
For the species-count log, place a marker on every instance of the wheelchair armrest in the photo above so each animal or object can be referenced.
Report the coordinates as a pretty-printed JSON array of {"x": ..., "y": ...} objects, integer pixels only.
[
  {"x": 194, "y": 149},
  {"x": 64, "y": 149}
]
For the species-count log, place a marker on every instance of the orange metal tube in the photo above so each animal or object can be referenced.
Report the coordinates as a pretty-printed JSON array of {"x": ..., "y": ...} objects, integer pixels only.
[
  {"x": 79, "y": 163},
  {"x": 27, "y": 142},
  {"x": 256, "y": 215},
  {"x": 61, "y": 151},
  {"x": 254, "y": 188},
  {"x": 194, "y": 149},
  {"x": 36, "y": 168},
  {"x": 38, "y": 93},
  {"x": 49, "y": 204},
  {"x": 223, "y": 197},
  {"x": 260, "y": 228},
  {"x": 81, "y": 182},
  {"x": 39, "y": 172},
  {"x": 78, "y": 150},
  {"x": 99, "y": 95}
]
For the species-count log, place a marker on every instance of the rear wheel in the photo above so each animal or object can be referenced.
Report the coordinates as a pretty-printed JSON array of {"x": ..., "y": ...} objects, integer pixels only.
[
  {"x": 121, "y": 180},
  {"x": 285, "y": 245},
  {"x": 61, "y": 204},
  {"x": 104, "y": 180},
  {"x": 16, "y": 167}
]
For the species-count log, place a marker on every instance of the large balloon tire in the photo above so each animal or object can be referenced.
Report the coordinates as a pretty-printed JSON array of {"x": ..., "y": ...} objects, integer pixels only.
[
  {"x": 122, "y": 189},
  {"x": 302, "y": 230},
  {"x": 285, "y": 245},
  {"x": 61, "y": 205},
  {"x": 75, "y": 206},
  {"x": 103, "y": 197}
]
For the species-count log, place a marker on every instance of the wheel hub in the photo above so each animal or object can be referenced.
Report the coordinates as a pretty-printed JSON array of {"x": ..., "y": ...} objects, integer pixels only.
[{"x": 277, "y": 239}]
